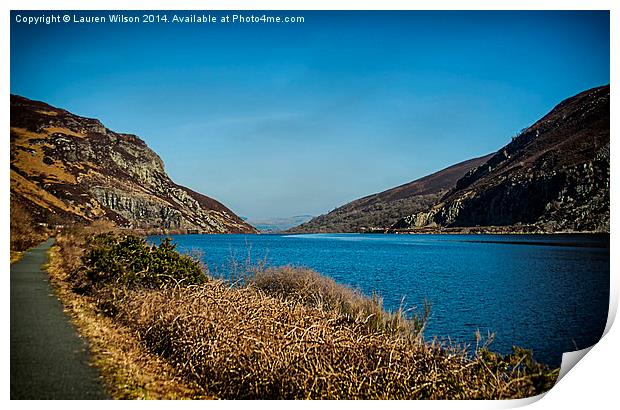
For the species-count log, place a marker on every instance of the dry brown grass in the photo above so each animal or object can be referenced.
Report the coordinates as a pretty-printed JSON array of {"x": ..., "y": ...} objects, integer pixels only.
[
  {"x": 33, "y": 192},
  {"x": 310, "y": 288},
  {"x": 63, "y": 130},
  {"x": 50, "y": 113},
  {"x": 24, "y": 231},
  {"x": 73, "y": 239},
  {"x": 31, "y": 160},
  {"x": 285, "y": 333},
  {"x": 241, "y": 343}
]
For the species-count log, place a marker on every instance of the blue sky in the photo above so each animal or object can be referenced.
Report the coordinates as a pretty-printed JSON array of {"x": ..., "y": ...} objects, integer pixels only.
[{"x": 288, "y": 119}]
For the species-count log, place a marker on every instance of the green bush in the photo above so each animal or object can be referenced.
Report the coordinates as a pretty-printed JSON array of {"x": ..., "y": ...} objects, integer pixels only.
[{"x": 130, "y": 261}]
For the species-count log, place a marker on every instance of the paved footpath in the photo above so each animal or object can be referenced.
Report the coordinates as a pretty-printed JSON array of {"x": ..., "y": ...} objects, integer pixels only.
[{"x": 48, "y": 358}]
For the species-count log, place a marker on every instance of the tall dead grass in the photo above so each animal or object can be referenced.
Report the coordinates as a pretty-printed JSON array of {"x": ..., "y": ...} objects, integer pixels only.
[
  {"x": 25, "y": 232},
  {"x": 240, "y": 343},
  {"x": 290, "y": 333},
  {"x": 73, "y": 241},
  {"x": 310, "y": 288}
]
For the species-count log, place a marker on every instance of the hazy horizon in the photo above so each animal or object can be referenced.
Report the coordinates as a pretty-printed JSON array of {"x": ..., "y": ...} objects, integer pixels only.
[{"x": 298, "y": 119}]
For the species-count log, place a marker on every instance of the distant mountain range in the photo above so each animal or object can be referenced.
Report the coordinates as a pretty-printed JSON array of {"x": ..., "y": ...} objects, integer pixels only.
[
  {"x": 66, "y": 168},
  {"x": 272, "y": 225},
  {"x": 553, "y": 176}
]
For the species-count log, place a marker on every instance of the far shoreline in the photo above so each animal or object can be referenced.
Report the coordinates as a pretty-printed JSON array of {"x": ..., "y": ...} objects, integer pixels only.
[{"x": 437, "y": 232}]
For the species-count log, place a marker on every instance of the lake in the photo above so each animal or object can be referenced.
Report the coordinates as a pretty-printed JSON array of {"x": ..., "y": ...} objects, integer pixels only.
[{"x": 547, "y": 293}]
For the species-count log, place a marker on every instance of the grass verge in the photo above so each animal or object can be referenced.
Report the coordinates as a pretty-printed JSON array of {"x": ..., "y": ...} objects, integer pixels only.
[{"x": 129, "y": 370}]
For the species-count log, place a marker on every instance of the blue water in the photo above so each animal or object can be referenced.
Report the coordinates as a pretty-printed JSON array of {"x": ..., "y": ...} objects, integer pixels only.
[{"x": 547, "y": 293}]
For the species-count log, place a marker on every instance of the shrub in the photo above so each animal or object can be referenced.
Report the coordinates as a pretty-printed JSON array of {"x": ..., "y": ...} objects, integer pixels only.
[
  {"x": 129, "y": 261},
  {"x": 310, "y": 288}
]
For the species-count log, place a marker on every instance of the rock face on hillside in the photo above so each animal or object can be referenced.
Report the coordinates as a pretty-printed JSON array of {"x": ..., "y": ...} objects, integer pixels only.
[
  {"x": 66, "y": 168},
  {"x": 554, "y": 175},
  {"x": 380, "y": 211}
]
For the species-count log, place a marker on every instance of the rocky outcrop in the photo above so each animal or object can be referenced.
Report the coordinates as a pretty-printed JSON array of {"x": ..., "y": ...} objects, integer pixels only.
[
  {"x": 70, "y": 168},
  {"x": 378, "y": 212},
  {"x": 554, "y": 175}
]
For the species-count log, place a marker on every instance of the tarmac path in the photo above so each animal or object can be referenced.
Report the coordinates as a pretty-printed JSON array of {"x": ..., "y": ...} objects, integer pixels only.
[{"x": 48, "y": 358}]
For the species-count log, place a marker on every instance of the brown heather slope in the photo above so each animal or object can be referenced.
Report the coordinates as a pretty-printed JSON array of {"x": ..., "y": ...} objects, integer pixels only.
[
  {"x": 554, "y": 176},
  {"x": 66, "y": 168},
  {"x": 380, "y": 211}
]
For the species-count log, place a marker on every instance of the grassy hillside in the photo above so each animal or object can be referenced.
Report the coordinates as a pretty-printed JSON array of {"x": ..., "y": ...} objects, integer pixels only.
[
  {"x": 554, "y": 175},
  {"x": 380, "y": 211},
  {"x": 70, "y": 169}
]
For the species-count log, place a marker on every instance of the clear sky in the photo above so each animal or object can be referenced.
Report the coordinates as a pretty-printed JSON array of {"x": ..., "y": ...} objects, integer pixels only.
[{"x": 289, "y": 119}]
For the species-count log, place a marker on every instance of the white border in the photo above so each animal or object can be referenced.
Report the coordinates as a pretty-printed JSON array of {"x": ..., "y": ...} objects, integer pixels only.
[{"x": 591, "y": 384}]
